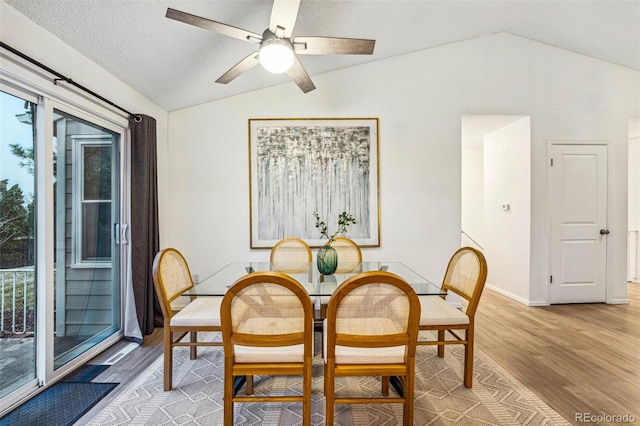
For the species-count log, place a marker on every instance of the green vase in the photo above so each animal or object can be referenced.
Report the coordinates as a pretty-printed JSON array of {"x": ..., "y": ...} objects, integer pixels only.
[{"x": 327, "y": 260}]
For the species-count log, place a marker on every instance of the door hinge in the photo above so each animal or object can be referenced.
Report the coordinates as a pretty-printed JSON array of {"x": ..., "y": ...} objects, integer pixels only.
[
  {"x": 551, "y": 279},
  {"x": 552, "y": 162}
]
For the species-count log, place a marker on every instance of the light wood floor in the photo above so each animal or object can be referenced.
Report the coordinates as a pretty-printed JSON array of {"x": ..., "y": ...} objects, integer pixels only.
[
  {"x": 582, "y": 358},
  {"x": 577, "y": 358}
]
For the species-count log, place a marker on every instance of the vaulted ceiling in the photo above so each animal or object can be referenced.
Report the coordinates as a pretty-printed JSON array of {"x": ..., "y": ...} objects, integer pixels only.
[{"x": 176, "y": 65}]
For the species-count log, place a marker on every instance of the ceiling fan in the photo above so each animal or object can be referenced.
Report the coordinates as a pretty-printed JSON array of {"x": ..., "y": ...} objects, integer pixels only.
[{"x": 278, "y": 51}]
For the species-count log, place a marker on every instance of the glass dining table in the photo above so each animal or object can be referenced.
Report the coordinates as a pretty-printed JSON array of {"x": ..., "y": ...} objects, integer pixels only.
[
  {"x": 316, "y": 284},
  {"x": 308, "y": 275}
]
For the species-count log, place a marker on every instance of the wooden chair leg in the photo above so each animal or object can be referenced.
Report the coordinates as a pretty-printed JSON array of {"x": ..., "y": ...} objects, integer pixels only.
[
  {"x": 468, "y": 359},
  {"x": 168, "y": 357},
  {"x": 228, "y": 392},
  {"x": 329, "y": 389},
  {"x": 249, "y": 385},
  {"x": 323, "y": 315},
  {"x": 408, "y": 391},
  {"x": 441, "y": 339},
  {"x": 317, "y": 328},
  {"x": 193, "y": 350},
  {"x": 385, "y": 385},
  {"x": 306, "y": 393}
]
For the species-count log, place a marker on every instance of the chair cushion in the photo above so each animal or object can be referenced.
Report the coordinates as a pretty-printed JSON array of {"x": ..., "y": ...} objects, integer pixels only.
[
  {"x": 436, "y": 311},
  {"x": 203, "y": 311},
  {"x": 276, "y": 354},
  {"x": 354, "y": 355}
]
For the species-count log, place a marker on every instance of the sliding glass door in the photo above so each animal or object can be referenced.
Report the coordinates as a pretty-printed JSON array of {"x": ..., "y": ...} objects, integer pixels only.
[
  {"x": 60, "y": 255},
  {"x": 86, "y": 217}
]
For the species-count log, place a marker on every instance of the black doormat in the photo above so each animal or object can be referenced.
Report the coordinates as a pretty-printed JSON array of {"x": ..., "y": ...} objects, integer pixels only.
[
  {"x": 86, "y": 373},
  {"x": 60, "y": 405}
]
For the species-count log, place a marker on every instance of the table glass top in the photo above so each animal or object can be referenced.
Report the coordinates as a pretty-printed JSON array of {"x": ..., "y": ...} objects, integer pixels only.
[{"x": 315, "y": 283}]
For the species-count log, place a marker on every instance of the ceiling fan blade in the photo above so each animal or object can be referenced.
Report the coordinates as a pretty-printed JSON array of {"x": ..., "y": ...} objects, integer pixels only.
[
  {"x": 333, "y": 46},
  {"x": 284, "y": 14},
  {"x": 244, "y": 65},
  {"x": 299, "y": 75},
  {"x": 214, "y": 26}
]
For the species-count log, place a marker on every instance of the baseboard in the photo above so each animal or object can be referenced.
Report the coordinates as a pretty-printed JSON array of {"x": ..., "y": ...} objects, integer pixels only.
[
  {"x": 618, "y": 301},
  {"x": 624, "y": 301},
  {"x": 517, "y": 298},
  {"x": 537, "y": 303}
]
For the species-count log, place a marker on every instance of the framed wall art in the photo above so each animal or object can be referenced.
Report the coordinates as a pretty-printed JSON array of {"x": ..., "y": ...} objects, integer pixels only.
[{"x": 299, "y": 166}]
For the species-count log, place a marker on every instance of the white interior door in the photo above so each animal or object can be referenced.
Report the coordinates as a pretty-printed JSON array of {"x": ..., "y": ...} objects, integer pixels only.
[{"x": 578, "y": 204}]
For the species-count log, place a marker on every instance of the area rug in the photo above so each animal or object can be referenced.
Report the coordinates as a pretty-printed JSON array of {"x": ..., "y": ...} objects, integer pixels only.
[{"x": 440, "y": 397}]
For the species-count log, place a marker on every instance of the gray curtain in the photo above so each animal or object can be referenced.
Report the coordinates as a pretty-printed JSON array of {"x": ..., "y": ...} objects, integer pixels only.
[{"x": 145, "y": 236}]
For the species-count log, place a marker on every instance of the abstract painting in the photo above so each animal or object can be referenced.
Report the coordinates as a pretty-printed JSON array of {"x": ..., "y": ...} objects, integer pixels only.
[{"x": 307, "y": 165}]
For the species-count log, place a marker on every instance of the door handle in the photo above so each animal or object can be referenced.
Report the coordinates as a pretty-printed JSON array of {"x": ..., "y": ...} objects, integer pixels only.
[
  {"x": 604, "y": 231},
  {"x": 123, "y": 238}
]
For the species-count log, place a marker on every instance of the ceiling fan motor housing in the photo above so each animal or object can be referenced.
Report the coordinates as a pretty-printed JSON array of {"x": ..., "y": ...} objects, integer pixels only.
[{"x": 276, "y": 54}]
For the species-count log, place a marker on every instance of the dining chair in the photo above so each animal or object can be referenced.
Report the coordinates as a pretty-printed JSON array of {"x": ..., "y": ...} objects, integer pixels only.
[
  {"x": 171, "y": 279},
  {"x": 267, "y": 329},
  {"x": 465, "y": 276},
  {"x": 371, "y": 329},
  {"x": 291, "y": 255},
  {"x": 349, "y": 254}
]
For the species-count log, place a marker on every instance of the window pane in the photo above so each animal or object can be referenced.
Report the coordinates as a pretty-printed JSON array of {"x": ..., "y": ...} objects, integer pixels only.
[
  {"x": 96, "y": 222},
  {"x": 17, "y": 242},
  {"x": 97, "y": 172}
]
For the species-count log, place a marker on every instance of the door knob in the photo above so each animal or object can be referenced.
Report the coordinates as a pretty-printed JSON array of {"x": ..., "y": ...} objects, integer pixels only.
[{"x": 604, "y": 231}]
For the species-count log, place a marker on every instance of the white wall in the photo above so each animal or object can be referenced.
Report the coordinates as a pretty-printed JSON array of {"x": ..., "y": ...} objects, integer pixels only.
[
  {"x": 474, "y": 129},
  {"x": 633, "y": 262},
  {"x": 472, "y": 197},
  {"x": 507, "y": 180},
  {"x": 419, "y": 98},
  {"x": 634, "y": 181},
  {"x": 634, "y": 174}
]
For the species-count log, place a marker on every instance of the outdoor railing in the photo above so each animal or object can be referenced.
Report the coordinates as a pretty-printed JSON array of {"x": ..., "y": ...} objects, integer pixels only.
[{"x": 17, "y": 301}]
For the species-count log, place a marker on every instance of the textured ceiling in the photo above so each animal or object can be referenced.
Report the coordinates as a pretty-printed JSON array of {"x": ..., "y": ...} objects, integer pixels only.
[{"x": 175, "y": 64}]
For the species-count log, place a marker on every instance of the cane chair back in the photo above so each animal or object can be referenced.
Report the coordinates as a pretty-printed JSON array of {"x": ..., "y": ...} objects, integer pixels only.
[
  {"x": 291, "y": 255},
  {"x": 172, "y": 278},
  {"x": 267, "y": 329},
  {"x": 371, "y": 330},
  {"x": 465, "y": 276},
  {"x": 349, "y": 254}
]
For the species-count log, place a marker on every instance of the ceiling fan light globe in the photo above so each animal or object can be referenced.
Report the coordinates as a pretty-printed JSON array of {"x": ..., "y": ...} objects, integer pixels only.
[{"x": 276, "y": 56}]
